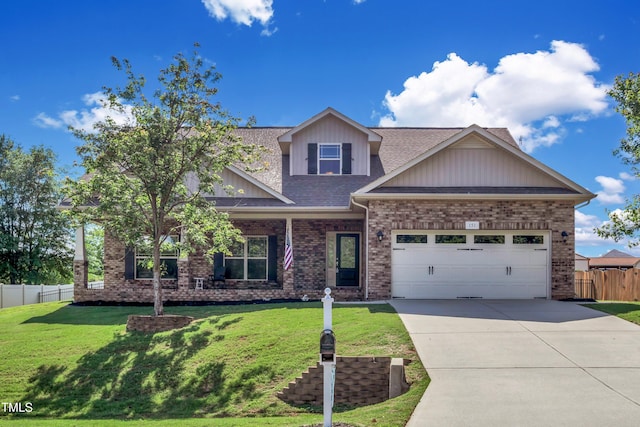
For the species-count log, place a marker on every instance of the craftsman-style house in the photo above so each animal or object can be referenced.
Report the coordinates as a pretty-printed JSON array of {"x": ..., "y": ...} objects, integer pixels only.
[{"x": 374, "y": 213}]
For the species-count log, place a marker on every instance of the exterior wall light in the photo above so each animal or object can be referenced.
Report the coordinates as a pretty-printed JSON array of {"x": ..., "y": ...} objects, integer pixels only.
[
  {"x": 380, "y": 235},
  {"x": 564, "y": 235}
]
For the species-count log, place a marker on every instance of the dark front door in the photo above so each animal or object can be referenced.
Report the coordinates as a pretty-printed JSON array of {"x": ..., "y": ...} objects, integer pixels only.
[{"x": 348, "y": 260}]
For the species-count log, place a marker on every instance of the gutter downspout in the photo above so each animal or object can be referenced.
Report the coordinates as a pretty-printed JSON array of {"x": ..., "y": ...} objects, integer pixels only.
[
  {"x": 582, "y": 205},
  {"x": 366, "y": 248}
]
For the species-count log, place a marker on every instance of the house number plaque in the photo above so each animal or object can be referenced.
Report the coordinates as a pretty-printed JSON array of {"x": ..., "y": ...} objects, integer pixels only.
[{"x": 472, "y": 225}]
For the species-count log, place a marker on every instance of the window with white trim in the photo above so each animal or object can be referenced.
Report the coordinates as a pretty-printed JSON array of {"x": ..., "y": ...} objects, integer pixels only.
[
  {"x": 168, "y": 260},
  {"x": 329, "y": 159},
  {"x": 248, "y": 260}
]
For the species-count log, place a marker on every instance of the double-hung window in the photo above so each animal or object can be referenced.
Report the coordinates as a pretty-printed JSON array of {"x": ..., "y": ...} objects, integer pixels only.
[
  {"x": 329, "y": 159},
  {"x": 168, "y": 260},
  {"x": 248, "y": 260}
]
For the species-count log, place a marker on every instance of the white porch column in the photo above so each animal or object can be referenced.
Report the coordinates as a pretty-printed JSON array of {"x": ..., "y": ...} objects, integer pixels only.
[
  {"x": 81, "y": 250},
  {"x": 80, "y": 265}
]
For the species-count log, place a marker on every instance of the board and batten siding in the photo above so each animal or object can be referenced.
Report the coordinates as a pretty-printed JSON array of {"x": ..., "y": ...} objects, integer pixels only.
[
  {"x": 473, "y": 167},
  {"x": 330, "y": 130},
  {"x": 236, "y": 181}
]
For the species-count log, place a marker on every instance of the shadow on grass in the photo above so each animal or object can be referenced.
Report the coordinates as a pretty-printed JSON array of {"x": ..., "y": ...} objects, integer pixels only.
[
  {"x": 144, "y": 375},
  {"x": 615, "y": 308},
  {"x": 72, "y": 314},
  {"x": 89, "y": 315}
]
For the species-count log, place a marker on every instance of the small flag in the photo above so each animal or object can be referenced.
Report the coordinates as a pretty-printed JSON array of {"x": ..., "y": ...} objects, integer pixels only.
[{"x": 288, "y": 248}]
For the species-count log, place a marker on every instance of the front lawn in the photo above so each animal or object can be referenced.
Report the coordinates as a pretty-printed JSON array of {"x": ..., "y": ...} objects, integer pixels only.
[
  {"x": 625, "y": 310},
  {"x": 75, "y": 362}
]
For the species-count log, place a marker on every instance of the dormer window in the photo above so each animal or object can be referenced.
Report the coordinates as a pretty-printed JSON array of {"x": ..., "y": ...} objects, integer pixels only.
[{"x": 329, "y": 159}]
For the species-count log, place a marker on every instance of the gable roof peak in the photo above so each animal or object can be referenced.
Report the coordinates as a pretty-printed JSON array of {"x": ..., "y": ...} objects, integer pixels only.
[
  {"x": 614, "y": 253},
  {"x": 581, "y": 194},
  {"x": 287, "y": 136}
]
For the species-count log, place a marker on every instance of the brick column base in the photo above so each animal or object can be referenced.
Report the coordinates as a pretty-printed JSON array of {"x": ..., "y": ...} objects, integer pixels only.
[
  {"x": 183, "y": 272},
  {"x": 80, "y": 273},
  {"x": 287, "y": 281}
]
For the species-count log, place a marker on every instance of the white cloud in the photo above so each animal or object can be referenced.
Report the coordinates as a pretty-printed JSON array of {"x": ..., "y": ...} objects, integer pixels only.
[
  {"x": 86, "y": 118},
  {"x": 586, "y": 236},
  {"x": 528, "y": 93},
  {"x": 551, "y": 122},
  {"x": 612, "y": 189},
  {"x": 586, "y": 220},
  {"x": 15, "y": 98},
  {"x": 44, "y": 121},
  {"x": 626, "y": 176},
  {"x": 584, "y": 231},
  {"x": 243, "y": 12}
]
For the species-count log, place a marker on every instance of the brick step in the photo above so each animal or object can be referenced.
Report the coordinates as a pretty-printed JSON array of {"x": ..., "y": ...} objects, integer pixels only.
[{"x": 359, "y": 381}]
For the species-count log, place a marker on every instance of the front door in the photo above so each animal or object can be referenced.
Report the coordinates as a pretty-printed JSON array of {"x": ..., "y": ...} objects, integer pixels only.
[{"x": 347, "y": 259}]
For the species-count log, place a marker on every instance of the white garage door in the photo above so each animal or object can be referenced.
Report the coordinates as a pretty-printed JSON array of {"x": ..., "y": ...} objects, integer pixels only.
[{"x": 469, "y": 264}]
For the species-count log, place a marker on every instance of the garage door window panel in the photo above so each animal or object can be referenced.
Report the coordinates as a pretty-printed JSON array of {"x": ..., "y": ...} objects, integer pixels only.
[
  {"x": 412, "y": 239},
  {"x": 451, "y": 239},
  {"x": 528, "y": 240},
  {"x": 489, "y": 239}
]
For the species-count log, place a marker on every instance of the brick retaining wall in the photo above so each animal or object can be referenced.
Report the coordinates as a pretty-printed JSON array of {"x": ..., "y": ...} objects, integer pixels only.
[
  {"x": 150, "y": 324},
  {"x": 359, "y": 381}
]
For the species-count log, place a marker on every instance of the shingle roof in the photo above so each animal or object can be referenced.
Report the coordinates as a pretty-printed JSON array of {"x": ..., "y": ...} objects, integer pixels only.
[
  {"x": 613, "y": 259},
  {"x": 614, "y": 253},
  {"x": 399, "y": 146},
  {"x": 271, "y": 173},
  {"x": 601, "y": 262}
]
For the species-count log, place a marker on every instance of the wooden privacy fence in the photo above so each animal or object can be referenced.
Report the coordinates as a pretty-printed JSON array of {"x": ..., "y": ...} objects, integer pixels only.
[{"x": 608, "y": 285}]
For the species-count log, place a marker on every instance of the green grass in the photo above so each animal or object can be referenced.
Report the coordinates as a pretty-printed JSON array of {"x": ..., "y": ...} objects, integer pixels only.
[
  {"x": 625, "y": 310},
  {"x": 77, "y": 364}
]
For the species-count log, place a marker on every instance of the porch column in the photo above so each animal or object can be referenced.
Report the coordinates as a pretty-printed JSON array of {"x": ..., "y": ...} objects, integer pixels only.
[
  {"x": 287, "y": 275},
  {"x": 183, "y": 265},
  {"x": 80, "y": 261}
]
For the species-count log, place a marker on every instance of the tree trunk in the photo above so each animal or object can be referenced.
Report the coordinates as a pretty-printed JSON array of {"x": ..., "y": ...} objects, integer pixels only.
[{"x": 158, "y": 308}]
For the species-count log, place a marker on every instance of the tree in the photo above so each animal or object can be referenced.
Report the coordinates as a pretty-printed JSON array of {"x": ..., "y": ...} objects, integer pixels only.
[
  {"x": 35, "y": 240},
  {"x": 625, "y": 223},
  {"x": 147, "y": 179},
  {"x": 94, "y": 241}
]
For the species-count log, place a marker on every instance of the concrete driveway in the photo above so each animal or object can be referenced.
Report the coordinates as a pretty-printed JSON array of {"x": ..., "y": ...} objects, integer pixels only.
[{"x": 523, "y": 363}]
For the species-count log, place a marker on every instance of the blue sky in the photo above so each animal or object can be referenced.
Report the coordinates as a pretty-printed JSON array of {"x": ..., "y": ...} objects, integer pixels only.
[{"x": 540, "y": 68}]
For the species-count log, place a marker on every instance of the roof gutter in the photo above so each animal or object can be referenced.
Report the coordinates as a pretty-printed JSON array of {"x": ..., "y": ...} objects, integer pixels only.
[
  {"x": 579, "y": 198},
  {"x": 366, "y": 248},
  {"x": 582, "y": 205}
]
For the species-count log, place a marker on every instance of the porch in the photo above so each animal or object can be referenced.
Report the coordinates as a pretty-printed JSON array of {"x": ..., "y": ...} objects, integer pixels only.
[{"x": 253, "y": 272}]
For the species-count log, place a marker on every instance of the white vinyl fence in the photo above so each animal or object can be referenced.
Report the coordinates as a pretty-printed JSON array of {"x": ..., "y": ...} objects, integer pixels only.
[{"x": 13, "y": 295}]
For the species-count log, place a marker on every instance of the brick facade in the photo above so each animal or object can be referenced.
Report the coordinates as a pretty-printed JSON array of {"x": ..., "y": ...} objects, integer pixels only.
[
  {"x": 307, "y": 277},
  {"x": 310, "y": 250},
  {"x": 554, "y": 216}
]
